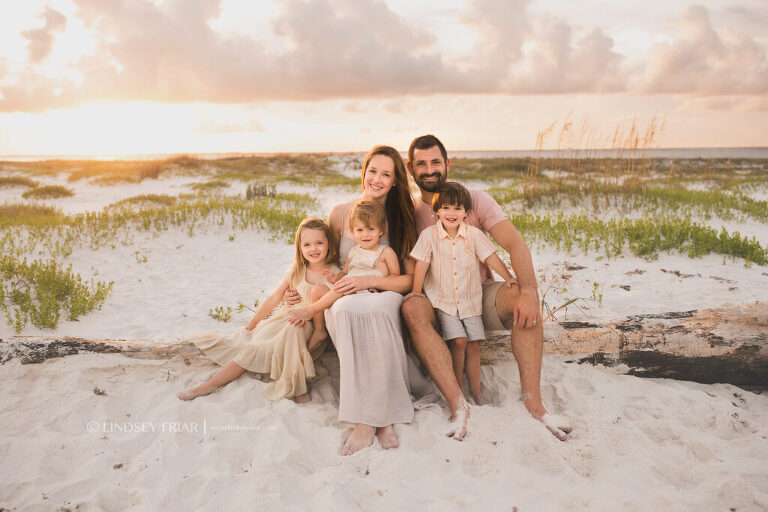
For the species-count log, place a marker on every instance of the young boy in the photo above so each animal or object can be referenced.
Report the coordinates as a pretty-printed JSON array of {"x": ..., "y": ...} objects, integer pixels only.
[{"x": 450, "y": 251}]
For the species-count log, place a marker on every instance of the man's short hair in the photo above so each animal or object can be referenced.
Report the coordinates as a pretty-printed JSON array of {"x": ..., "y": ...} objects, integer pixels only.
[
  {"x": 452, "y": 193},
  {"x": 426, "y": 142}
]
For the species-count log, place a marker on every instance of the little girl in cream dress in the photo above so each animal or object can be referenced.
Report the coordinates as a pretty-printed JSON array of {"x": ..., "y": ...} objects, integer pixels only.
[{"x": 272, "y": 346}]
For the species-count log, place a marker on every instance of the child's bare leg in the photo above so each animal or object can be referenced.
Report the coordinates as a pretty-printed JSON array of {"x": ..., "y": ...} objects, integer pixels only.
[
  {"x": 458, "y": 348},
  {"x": 473, "y": 371},
  {"x": 318, "y": 320},
  {"x": 302, "y": 398},
  {"x": 227, "y": 374}
]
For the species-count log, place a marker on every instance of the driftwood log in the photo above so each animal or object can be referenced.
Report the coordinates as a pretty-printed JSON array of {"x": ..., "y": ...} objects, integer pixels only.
[{"x": 727, "y": 345}]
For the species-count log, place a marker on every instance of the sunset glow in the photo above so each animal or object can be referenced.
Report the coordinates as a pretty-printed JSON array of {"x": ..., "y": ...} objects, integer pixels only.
[{"x": 199, "y": 76}]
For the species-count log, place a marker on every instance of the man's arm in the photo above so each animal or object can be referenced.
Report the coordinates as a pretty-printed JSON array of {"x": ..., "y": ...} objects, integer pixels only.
[{"x": 508, "y": 237}]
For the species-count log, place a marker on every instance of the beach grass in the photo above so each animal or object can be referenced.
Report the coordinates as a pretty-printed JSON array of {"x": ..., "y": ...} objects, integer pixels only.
[
  {"x": 315, "y": 169},
  {"x": 645, "y": 237},
  {"x": 48, "y": 192},
  {"x": 145, "y": 199},
  {"x": 44, "y": 229},
  {"x": 631, "y": 196},
  {"x": 658, "y": 206},
  {"x": 42, "y": 291},
  {"x": 17, "y": 181}
]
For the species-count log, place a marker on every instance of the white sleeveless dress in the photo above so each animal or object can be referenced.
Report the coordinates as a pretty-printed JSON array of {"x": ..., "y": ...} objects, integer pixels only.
[{"x": 378, "y": 384}]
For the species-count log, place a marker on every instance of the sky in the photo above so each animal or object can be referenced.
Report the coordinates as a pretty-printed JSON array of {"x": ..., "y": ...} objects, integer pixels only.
[{"x": 212, "y": 76}]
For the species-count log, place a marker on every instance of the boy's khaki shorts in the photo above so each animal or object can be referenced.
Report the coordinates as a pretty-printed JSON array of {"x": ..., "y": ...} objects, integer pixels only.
[{"x": 452, "y": 327}]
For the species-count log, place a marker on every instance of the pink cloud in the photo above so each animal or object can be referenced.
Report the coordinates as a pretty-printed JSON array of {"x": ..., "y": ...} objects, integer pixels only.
[{"x": 703, "y": 61}]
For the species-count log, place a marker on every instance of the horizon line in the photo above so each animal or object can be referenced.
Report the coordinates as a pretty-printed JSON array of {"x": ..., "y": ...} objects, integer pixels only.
[{"x": 265, "y": 153}]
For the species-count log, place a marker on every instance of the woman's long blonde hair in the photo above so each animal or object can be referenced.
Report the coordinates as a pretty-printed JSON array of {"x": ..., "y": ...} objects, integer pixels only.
[
  {"x": 401, "y": 221},
  {"x": 300, "y": 264}
]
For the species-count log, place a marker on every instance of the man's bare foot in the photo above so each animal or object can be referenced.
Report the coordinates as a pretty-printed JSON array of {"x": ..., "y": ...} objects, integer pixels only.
[
  {"x": 361, "y": 437},
  {"x": 459, "y": 419},
  {"x": 193, "y": 393},
  {"x": 559, "y": 426},
  {"x": 317, "y": 337},
  {"x": 302, "y": 398},
  {"x": 387, "y": 437}
]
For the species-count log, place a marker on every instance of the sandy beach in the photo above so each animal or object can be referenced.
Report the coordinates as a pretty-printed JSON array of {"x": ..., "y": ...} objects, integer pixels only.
[{"x": 106, "y": 432}]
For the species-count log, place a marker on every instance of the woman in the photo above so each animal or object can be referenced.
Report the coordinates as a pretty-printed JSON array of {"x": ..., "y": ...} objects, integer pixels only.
[{"x": 377, "y": 380}]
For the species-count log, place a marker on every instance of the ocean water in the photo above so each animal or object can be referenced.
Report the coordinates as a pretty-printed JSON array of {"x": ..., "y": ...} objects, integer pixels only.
[{"x": 684, "y": 153}]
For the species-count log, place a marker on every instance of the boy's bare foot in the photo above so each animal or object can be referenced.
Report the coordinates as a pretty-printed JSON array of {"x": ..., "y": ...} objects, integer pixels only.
[
  {"x": 478, "y": 398},
  {"x": 459, "y": 419},
  {"x": 559, "y": 426},
  {"x": 193, "y": 393},
  {"x": 387, "y": 437},
  {"x": 361, "y": 437},
  {"x": 302, "y": 398},
  {"x": 317, "y": 337}
]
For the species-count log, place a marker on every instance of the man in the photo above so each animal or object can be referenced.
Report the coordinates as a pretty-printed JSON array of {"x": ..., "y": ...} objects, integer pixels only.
[{"x": 516, "y": 307}]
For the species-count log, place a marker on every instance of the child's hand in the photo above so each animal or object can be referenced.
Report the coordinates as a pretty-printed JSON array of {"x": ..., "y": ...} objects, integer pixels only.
[
  {"x": 329, "y": 275},
  {"x": 299, "y": 316},
  {"x": 291, "y": 297},
  {"x": 414, "y": 294}
]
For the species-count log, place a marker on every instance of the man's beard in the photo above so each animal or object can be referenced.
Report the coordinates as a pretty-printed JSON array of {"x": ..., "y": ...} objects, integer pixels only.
[{"x": 432, "y": 186}]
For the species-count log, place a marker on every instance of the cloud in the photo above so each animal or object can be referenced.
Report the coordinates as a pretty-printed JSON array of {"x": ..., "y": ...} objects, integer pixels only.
[
  {"x": 702, "y": 61},
  {"x": 360, "y": 49},
  {"x": 559, "y": 62},
  {"x": 169, "y": 53},
  {"x": 41, "y": 39}
]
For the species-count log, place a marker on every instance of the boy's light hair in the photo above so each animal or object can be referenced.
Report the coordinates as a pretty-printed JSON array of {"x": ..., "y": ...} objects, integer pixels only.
[
  {"x": 452, "y": 193},
  {"x": 300, "y": 264},
  {"x": 369, "y": 214}
]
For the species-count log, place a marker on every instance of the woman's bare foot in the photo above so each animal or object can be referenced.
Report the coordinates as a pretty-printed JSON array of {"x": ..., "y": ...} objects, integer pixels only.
[
  {"x": 193, "y": 393},
  {"x": 387, "y": 437},
  {"x": 317, "y": 337},
  {"x": 302, "y": 398},
  {"x": 361, "y": 437},
  {"x": 459, "y": 421}
]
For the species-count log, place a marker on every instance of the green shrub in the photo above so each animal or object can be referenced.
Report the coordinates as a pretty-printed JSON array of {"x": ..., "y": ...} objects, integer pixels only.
[
  {"x": 48, "y": 192},
  {"x": 39, "y": 292},
  {"x": 645, "y": 237},
  {"x": 17, "y": 181}
]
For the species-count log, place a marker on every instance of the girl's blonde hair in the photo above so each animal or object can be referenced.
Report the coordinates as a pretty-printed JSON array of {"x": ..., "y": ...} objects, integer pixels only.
[
  {"x": 370, "y": 214},
  {"x": 299, "y": 263}
]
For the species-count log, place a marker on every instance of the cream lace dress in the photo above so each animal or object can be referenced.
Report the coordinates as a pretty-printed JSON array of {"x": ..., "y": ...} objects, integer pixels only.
[{"x": 273, "y": 349}]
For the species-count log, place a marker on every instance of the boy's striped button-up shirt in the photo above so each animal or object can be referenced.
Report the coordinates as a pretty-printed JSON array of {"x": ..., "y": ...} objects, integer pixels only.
[{"x": 453, "y": 281}]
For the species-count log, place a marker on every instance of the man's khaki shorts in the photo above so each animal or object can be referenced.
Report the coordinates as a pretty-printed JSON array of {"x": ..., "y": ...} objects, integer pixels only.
[{"x": 491, "y": 319}]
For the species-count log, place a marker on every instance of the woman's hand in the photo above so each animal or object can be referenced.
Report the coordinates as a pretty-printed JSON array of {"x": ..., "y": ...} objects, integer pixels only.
[
  {"x": 299, "y": 316},
  {"x": 352, "y": 284},
  {"x": 291, "y": 297}
]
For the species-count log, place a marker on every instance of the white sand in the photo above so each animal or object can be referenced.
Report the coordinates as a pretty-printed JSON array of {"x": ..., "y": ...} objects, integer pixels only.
[{"x": 638, "y": 444}]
